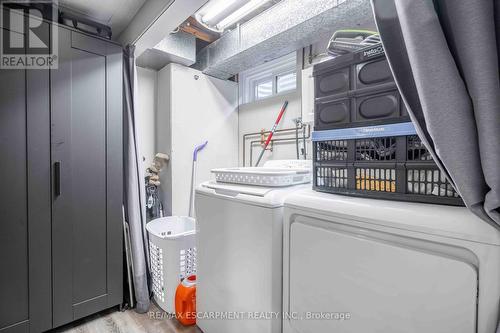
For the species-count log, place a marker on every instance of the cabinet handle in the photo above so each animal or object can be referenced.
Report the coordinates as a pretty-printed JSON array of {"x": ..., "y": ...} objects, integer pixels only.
[{"x": 57, "y": 179}]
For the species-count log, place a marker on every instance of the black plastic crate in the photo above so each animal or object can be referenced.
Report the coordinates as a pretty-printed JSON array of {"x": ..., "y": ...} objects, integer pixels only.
[
  {"x": 356, "y": 89},
  {"x": 392, "y": 167}
]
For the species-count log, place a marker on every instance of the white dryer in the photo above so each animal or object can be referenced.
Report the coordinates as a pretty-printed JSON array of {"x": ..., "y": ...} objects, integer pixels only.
[
  {"x": 239, "y": 271},
  {"x": 361, "y": 265}
]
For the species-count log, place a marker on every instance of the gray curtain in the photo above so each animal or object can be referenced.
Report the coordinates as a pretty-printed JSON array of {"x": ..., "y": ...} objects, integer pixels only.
[
  {"x": 135, "y": 194},
  {"x": 444, "y": 57}
]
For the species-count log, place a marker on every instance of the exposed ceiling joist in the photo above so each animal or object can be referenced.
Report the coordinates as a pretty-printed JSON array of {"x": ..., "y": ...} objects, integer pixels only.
[{"x": 191, "y": 26}]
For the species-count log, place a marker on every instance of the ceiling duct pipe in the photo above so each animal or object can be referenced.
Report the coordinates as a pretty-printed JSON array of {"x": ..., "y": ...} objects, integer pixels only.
[
  {"x": 178, "y": 47},
  {"x": 287, "y": 26}
]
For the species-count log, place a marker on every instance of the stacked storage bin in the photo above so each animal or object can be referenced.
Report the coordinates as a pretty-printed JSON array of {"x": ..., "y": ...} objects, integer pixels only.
[{"x": 364, "y": 142}]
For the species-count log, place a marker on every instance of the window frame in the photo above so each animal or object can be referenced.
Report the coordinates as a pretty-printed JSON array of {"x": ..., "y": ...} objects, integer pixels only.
[
  {"x": 269, "y": 71},
  {"x": 256, "y": 83},
  {"x": 284, "y": 74}
]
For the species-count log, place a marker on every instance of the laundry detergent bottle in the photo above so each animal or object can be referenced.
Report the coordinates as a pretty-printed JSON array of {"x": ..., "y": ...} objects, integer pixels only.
[{"x": 185, "y": 301}]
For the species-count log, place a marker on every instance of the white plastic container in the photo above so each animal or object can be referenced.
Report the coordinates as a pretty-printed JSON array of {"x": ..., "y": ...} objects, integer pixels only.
[
  {"x": 274, "y": 177},
  {"x": 172, "y": 247},
  {"x": 274, "y": 173},
  {"x": 289, "y": 164}
]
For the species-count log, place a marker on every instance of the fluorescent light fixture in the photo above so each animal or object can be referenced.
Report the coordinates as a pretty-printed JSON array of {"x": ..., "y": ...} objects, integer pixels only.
[
  {"x": 215, "y": 8},
  {"x": 217, "y": 15},
  {"x": 240, "y": 13}
]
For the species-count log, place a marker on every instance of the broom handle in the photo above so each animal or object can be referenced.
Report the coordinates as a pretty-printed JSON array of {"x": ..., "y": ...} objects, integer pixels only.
[{"x": 275, "y": 126}]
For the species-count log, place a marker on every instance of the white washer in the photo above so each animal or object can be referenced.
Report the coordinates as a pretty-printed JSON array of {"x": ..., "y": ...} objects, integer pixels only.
[
  {"x": 239, "y": 272},
  {"x": 390, "y": 266}
]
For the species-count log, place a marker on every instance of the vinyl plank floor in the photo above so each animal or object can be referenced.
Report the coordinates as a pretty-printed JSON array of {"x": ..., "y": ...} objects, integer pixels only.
[{"x": 129, "y": 321}]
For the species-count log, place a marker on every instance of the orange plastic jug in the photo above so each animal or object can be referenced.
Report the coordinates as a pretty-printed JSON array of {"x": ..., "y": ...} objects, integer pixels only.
[{"x": 185, "y": 301}]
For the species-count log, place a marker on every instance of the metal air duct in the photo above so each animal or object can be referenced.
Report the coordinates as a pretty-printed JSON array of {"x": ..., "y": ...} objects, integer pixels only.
[{"x": 288, "y": 26}]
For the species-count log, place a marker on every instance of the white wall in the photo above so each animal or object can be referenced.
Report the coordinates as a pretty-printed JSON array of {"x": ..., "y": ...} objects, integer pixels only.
[
  {"x": 147, "y": 81},
  {"x": 155, "y": 121},
  {"x": 261, "y": 114},
  {"x": 192, "y": 108},
  {"x": 253, "y": 117},
  {"x": 178, "y": 108}
]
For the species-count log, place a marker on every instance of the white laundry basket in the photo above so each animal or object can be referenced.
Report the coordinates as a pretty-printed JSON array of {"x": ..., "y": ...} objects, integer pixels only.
[{"x": 172, "y": 247}]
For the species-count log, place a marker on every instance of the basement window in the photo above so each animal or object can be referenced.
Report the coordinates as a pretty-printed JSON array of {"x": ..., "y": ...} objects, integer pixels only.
[
  {"x": 286, "y": 82},
  {"x": 263, "y": 89},
  {"x": 272, "y": 78}
]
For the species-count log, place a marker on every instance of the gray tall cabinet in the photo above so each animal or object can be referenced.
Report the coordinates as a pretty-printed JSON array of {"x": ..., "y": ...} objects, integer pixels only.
[{"x": 61, "y": 186}]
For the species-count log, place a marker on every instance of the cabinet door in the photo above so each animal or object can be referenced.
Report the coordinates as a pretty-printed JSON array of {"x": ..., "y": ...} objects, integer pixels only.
[
  {"x": 25, "y": 253},
  {"x": 86, "y": 160}
]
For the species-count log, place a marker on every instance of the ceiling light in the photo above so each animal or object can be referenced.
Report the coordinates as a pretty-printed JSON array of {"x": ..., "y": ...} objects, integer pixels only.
[
  {"x": 239, "y": 14},
  {"x": 215, "y": 10}
]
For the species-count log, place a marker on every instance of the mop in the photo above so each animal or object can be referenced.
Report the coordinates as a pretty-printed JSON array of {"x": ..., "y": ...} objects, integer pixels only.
[{"x": 197, "y": 149}]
